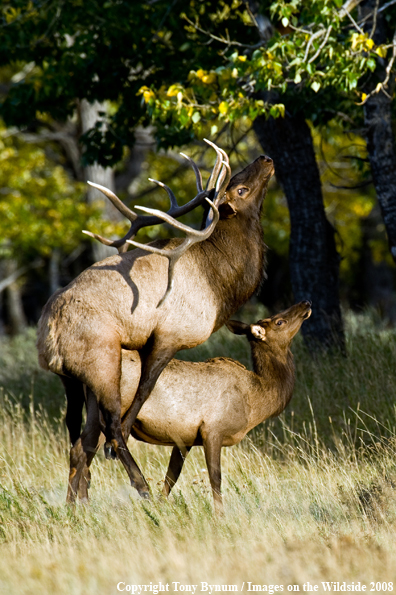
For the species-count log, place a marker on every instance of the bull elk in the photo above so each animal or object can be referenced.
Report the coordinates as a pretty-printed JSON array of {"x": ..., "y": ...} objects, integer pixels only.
[
  {"x": 213, "y": 403},
  {"x": 136, "y": 301}
]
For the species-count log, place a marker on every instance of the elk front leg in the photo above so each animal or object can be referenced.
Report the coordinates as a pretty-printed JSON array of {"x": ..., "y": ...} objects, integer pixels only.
[
  {"x": 176, "y": 463},
  {"x": 115, "y": 436},
  {"x": 212, "y": 447},
  {"x": 152, "y": 366}
]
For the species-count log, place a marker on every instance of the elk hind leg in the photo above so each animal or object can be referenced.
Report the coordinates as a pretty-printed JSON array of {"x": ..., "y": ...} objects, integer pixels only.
[
  {"x": 212, "y": 448},
  {"x": 74, "y": 390},
  {"x": 103, "y": 379},
  {"x": 176, "y": 463},
  {"x": 115, "y": 436},
  {"x": 83, "y": 452}
]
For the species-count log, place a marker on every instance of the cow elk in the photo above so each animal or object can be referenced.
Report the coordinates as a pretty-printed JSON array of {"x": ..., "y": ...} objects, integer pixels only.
[
  {"x": 139, "y": 300},
  {"x": 213, "y": 403}
]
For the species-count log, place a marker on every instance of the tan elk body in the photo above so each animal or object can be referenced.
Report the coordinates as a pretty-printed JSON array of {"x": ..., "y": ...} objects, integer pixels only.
[
  {"x": 113, "y": 306},
  {"x": 213, "y": 403}
]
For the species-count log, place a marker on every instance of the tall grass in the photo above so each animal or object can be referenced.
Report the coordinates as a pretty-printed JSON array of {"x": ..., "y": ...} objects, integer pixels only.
[{"x": 306, "y": 498}]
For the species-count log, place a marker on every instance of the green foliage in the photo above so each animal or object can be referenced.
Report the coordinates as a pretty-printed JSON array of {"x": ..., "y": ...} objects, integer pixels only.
[
  {"x": 181, "y": 64},
  {"x": 342, "y": 160},
  {"x": 40, "y": 208},
  {"x": 313, "y": 62},
  {"x": 93, "y": 50}
]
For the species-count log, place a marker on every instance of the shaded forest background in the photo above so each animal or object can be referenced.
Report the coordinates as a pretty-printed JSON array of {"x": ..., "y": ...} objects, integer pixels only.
[{"x": 111, "y": 92}]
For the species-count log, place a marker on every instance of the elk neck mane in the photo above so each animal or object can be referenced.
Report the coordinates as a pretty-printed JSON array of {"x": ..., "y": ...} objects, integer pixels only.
[{"x": 236, "y": 250}]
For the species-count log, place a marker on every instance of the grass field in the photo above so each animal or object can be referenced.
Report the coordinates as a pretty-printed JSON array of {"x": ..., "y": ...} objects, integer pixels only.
[{"x": 308, "y": 497}]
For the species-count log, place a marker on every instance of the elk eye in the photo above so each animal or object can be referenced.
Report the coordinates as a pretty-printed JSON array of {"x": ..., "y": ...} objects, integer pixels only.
[
  {"x": 280, "y": 322},
  {"x": 242, "y": 191}
]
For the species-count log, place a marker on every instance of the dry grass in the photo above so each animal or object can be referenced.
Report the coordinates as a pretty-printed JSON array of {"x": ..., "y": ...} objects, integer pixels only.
[{"x": 313, "y": 501}]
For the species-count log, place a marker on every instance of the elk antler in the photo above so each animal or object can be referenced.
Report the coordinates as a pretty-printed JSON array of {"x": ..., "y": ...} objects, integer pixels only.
[{"x": 215, "y": 188}]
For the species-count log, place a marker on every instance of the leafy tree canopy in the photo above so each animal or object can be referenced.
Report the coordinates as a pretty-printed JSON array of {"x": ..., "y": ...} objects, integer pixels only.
[
  {"x": 186, "y": 62},
  {"x": 41, "y": 208},
  {"x": 315, "y": 61}
]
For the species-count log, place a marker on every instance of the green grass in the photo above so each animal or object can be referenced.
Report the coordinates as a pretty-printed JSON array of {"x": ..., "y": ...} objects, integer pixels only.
[{"x": 307, "y": 498}]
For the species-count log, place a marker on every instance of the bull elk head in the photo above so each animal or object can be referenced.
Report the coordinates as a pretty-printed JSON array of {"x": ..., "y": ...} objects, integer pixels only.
[{"x": 215, "y": 189}]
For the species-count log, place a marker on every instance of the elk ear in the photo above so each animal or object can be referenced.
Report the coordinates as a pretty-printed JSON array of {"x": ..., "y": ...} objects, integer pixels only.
[
  {"x": 227, "y": 210},
  {"x": 258, "y": 332},
  {"x": 237, "y": 327}
]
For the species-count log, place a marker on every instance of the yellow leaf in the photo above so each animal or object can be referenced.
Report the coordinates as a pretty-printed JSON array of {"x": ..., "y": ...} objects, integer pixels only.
[
  {"x": 147, "y": 95},
  {"x": 200, "y": 73},
  {"x": 223, "y": 107},
  {"x": 354, "y": 40},
  {"x": 369, "y": 43},
  {"x": 242, "y": 58},
  {"x": 381, "y": 51},
  {"x": 146, "y": 92},
  {"x": 208, "y": 79},
  {"x": 173, "y": 90},
  {"x": 364, "y": 96}
]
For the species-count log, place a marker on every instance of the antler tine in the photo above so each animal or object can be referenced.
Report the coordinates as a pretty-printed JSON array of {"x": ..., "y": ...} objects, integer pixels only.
[
  {"x": 223, "y": 180},
  {"x": 115, "y": 201},
  {"x": 198, "y": 175},
  {"x": 169, "y": 219},
  {"x": 173, "y": 255},
  {"x": 217, "y": 166},
  {"x": 104, "y": 241},
  {"x": 221, "y": 186},
  {"x": 172, "y": 197},
  {"x": 216, "y": 182}
]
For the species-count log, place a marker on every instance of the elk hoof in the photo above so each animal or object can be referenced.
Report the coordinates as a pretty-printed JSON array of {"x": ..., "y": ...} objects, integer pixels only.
[{"x": 109, "y": 451}]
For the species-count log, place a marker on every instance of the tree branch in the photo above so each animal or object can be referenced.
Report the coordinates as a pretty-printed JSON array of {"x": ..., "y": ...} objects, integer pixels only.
[
  {"x": 221, "y": 39},
  {"x": 385, "y": 6},
  {"x": 381, "y": 86},
  {"x": 350, "y": 17},
  {"x": 320, "y": 48},
  {"x": 347, "y": 7},
  {"x": 374, "y": 19}
]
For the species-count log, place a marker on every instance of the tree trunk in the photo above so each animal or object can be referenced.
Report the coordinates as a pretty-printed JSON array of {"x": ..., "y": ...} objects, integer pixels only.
[
  {"x": 16, "y": 316},
  {"x": 89, "y": 114},
  {"x": 314, "y": 261},
  {"x": 54, "y": 274},
  {"x": 380, "y": 146},
  {"x": 378, "y": 130}
]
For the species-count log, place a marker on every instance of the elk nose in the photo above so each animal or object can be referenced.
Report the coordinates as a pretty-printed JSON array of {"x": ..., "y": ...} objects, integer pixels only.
[
  {"x": 307, "y": 303},
  {"x": 266, "y": 163},
  {"x": 265, "y": 158}
]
